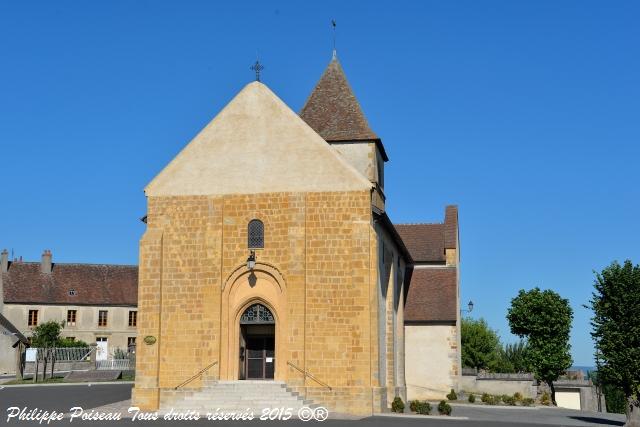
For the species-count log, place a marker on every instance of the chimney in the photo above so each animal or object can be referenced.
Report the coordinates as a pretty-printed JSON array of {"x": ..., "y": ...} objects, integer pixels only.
[
  {"x": 45, "y": 265},
  {"x": 4, "y": 261}
]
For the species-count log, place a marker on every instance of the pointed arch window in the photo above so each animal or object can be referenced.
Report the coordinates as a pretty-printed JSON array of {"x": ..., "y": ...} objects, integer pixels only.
[{"x": 255, "y": 234}]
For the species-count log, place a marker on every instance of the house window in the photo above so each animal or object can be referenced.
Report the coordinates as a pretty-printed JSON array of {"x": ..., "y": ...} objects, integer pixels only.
[
  {"x": 33, "y": 318},
  {"x": 72, "y": 292},
  {"x": 71, "y": 317},
  {"x": 133, "y": 318},
  {"x": 102, "y": 318},
  {"x": 131, "y": 344},
  {"x": 255, "y": 234}
]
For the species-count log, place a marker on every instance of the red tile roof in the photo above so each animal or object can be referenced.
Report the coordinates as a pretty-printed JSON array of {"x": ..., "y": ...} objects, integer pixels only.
[
  {"x": 432, "y": 295},
  {"x": 427, "y": 242},
  {"x": 94, "y": 284},
  {"x": 333, "y": 111}
]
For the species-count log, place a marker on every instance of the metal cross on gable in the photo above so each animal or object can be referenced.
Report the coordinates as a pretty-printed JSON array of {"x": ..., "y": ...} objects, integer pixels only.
[{"x": 257, "y": 67}]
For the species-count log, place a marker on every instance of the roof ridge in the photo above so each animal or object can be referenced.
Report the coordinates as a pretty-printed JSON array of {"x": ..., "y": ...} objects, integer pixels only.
[
  {"x": 420, "y": 223},
  {"x": 76, "y": 263}
]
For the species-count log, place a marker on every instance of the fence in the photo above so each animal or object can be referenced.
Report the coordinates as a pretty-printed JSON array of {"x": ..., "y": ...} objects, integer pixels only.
[
  {"x": 61, "y": 354},
  {"x": 113, "y": 364}
]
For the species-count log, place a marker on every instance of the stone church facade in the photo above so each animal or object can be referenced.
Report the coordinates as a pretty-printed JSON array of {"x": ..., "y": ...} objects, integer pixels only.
[{"x": 268, "y": 255}]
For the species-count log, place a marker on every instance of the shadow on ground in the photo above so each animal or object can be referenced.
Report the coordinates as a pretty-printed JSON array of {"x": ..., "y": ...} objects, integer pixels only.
[{"x": 596, "y": 420}]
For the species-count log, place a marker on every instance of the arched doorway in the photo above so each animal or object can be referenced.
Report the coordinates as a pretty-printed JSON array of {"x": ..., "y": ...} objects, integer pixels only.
[
  {"x": 257, "y": 343},
  {"x": 243, "y": 289}
]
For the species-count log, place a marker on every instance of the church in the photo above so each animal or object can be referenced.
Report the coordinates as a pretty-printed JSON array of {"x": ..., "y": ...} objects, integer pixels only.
[{"x": 269, "y": 257}]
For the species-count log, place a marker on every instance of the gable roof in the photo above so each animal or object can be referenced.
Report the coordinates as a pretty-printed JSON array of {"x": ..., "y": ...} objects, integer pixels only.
[
  {"x": 427, "y": 242},
  {"x": 243, "y": 150},
  {"x": 95, "y": 284},
  {"x": 432, "y": 295},
  {"x": 333, "y": 111}
]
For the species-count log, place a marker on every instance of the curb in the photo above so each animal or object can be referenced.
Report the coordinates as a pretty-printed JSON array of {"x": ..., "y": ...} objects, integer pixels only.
[
  {"x": 422, "y": 417},
  {"x": 465, "y": 405},
  {"x": 88, "y": 384}
]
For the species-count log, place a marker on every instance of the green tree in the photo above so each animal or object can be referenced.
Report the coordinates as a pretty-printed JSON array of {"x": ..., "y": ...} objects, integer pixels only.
[
  {"x": 46, "y": 334},
  {"x": 480, "y": 345},
  {"x": 517, "y": 356},
  {"x": 544, "y": 319},
  {"x": 616, "y": 332}
]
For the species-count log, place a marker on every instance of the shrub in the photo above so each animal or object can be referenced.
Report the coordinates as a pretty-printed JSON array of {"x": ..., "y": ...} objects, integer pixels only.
[
  {"x": 423, "y": 408},
  {"x": 472, "y": 398},
  {"x": 444, "y": 408},
  {"x": 517, "y": 396},
  {"x": 527, "y": 401},
  {"x": 397, "y": 405},
  {"x": 452, "y": 395},
  {"x": 489, "y": 399},
  {"x": 120, "y": 354},
  {"x": 413, "y": 405},
  {"x": 71, "y": 342},
  {"x": 545, "y": 399},
  {"x": 509, "y": 400}
]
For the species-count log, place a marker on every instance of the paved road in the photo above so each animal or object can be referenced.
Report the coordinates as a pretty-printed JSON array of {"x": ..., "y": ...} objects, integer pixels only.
[{"x": 62, "y": 397}]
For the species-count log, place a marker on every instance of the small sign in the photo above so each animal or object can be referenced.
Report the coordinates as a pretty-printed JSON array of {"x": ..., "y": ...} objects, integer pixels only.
[
  {"x": 269, "y": 359},
  {"x": 149, "y": 340}
]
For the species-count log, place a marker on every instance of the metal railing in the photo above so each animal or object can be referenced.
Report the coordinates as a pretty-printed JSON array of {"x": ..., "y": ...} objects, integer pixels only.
[
  {"x": 199, "y": 374},
  {"x": 60, "y": 354},
  {"x": 307, "y": 374},
  {"x": 113, "y": 364}
]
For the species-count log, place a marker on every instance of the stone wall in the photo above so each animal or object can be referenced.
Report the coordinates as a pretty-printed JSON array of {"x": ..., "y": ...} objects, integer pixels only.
[
  {"x": 314, "y": 273},
  {"x": 431, "y": 360},
  {"x": 86, "y": 326},
  {"x": 498, "y": 386}
]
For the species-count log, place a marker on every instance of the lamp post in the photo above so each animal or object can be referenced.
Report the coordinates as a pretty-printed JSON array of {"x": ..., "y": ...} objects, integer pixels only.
[
  {"x": 470, "y": 308},
  {"x": 251, "y": 261}
]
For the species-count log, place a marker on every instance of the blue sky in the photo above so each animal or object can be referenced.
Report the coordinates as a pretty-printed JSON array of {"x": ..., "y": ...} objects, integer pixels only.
[{"x": 525, "y": 114}]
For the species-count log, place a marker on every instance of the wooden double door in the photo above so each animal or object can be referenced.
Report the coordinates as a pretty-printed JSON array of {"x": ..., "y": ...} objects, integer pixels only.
[{"x": 257, "y": 352}]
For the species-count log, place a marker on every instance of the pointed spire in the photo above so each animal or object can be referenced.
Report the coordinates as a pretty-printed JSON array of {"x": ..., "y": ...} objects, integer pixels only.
[{"x": 333, "y": 111}]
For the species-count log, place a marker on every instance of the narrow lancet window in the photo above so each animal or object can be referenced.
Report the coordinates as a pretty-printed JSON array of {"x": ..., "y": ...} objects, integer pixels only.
[{"x": 255, "y": 234}]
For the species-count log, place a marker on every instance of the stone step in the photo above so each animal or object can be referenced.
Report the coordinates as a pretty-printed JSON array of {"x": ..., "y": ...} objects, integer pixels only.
[
  {"x": 243, "y": 398},
  {"x": 236, "y": 396},
  {"x": 246, "y": 395}
]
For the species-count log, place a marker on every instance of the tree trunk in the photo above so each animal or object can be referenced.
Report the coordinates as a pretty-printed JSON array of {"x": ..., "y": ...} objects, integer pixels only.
[
  {"x": 553, "y": 393},
  {"x": 53, "y": 362},
  {"x": 35, "y": 370},
  {"x": 44, "y": 365},
  {"x": 633, "y": 412}
]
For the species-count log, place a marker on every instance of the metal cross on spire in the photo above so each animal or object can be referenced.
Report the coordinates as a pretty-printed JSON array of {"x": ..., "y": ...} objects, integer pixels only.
[
  {"x": 333, "y": 23},
  {"x": 257, "y": 67}
]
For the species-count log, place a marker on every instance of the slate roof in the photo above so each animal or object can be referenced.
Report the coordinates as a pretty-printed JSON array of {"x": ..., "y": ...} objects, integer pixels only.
[
  {"x": 94, "y": 284},
  {"x": 432, "y": 295},
  {"x": 333, "y": 111},
  {"x": 427, "y": 242}
]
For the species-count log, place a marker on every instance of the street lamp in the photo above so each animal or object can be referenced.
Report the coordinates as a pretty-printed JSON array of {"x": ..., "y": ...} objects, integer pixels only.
[
  {"x": 251, "y": 261},
  {"x": 470, "y": 306}
]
